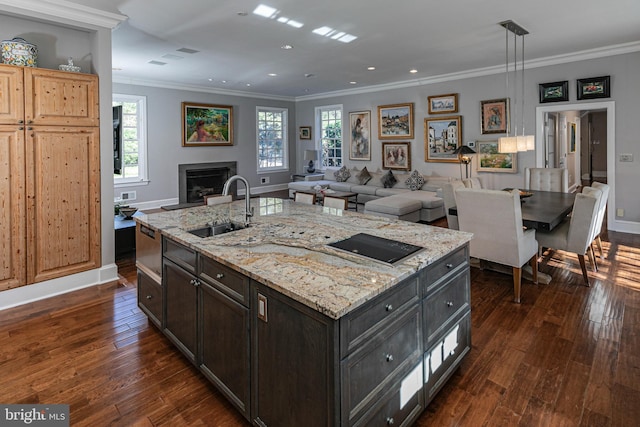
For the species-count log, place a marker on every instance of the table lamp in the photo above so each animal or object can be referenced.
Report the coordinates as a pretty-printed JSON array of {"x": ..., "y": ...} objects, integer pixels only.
[{"x": 310, "y": 155}]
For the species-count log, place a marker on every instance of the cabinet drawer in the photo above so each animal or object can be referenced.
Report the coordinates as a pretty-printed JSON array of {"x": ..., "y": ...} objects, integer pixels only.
[
  {"x": 441, "y": 269},
  {"x": 401, "y": 406},
  {"x": 180, "y": 254},
  {"x": 446, "y": 306},
  {"x": 150, "y": 298},
  {"x": 358, "y": 326},
  {"x": 442, "y": 359},
  {"x": 225, "y": 279},
  {"x": 367, "y": 373}
]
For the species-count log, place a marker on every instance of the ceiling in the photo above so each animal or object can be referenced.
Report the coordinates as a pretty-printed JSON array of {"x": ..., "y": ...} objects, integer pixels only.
[{"x": 237, "y": 50}]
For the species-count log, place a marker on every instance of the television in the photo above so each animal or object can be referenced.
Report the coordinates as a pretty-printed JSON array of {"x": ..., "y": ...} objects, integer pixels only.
[{"x": 117, "y": 140}]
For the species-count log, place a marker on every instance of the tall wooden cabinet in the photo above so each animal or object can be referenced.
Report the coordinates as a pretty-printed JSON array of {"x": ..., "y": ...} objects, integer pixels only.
[{"x": 49, "y": 174}]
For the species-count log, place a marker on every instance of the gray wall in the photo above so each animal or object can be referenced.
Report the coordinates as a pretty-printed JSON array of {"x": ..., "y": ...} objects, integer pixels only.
[
  {"x": 625, "y": 91},
  {"x": 165, "y": 150}
]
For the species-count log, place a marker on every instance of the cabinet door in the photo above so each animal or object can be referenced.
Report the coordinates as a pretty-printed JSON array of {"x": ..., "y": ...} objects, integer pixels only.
[
  {"x": 224, "y": 344},
  {"x": 11, "y": 95},
  {"x": 13, "y": 270},
  {"x": 63, "y": 201},
  {"x": 60, "y": 98},
  {"x": 181, "y": 304}
]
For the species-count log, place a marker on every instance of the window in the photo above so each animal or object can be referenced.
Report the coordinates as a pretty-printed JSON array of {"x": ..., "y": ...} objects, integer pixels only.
[
  {"x": 329, "y": 121},
  {"x": 134, "y": 143},
  {"x": 273, "y": 143}
]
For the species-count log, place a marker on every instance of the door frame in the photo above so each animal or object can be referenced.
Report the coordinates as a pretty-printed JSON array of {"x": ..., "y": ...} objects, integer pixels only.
[{"x": 610, "y": 107}]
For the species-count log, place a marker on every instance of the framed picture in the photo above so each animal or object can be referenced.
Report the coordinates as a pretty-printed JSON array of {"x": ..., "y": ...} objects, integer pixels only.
[
  {"x": 442, "y": 136},
  {"x": 305, "y": 132},
  {"x": 594, "y": 87},
  {"x": 395, "y": 121},
  {"x": 443, "y": 104},
  {"x": 396, "y": 155},
  {"x": 554, "y": 92},
  {"x": 572, "y": 137},
  {"x": 495, "y": 116},
  {"x": 206, "y": 124},
  {"x": 360, "y": 131},
  {"x": 490, "y": 160}
]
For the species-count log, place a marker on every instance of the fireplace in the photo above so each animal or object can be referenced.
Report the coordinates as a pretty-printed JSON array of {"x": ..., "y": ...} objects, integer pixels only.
[{"x": 197, "y": 180}]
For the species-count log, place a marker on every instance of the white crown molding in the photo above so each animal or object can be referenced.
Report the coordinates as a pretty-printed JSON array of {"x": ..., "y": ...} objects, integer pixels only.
[
  {"x": 55, "y": 10},
  {"x": 584, "y": 55}
]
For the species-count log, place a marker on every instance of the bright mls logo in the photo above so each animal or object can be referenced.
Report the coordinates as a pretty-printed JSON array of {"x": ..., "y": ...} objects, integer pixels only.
[{"x": 34, "y": 415}]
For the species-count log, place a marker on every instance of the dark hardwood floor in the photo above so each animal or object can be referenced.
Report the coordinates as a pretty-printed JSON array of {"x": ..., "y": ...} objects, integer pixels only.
[{"x": 567, "y": 356}]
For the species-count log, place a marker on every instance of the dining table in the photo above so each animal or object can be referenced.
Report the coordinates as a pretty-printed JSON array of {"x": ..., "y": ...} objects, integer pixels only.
[{"x": 541, "y": 210}]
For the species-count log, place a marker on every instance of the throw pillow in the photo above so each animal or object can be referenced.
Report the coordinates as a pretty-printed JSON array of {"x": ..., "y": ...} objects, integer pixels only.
[
  {"x": 342, "y": 174},
  {"x": 415, "y": 181},
  {"x": 388, "y": 180},
  {"x": 363, "y": 176}
]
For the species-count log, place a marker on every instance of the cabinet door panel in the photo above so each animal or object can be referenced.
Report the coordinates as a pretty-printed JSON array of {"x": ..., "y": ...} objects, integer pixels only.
[
  {"x": 60, "y": 98},
  {"x": 63, "y": 193},
  {"x": 181, "y": 302},
  {"x": 11, "y": 95},
  {"x": 13, "y": 270}
]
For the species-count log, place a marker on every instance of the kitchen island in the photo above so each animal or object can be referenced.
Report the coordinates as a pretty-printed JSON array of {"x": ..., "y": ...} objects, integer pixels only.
[{"x": 296, "y": 332}]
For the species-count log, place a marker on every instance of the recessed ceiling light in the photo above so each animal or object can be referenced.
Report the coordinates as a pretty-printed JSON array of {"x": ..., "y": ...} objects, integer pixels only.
[
  {"x": 347, "y": 38},
  {"x": 187, "y": 50},
  {"x": 295, "y": 24},
  {"x": 248, "y": 84},
  {"x": 172, "y": 56},
  {"x": 338, "y": 35},
  {"x": 413, "y": 71},
  {"x": 353, "y": 83},
  {"x": 371, "y": 68},
  {"x": 283, "y": 20},
  {"x": 264, "y": 10},
  {"x": 323, "y": 31},
  {"x": 308, "y": 75},
  {"x": 157, "y": 63},
  {"x": 272, "y": 74},
  {"x": 210, "y": 80},
  {"x": 224, "y": 81},
  {"x": 243, "y": 13},
  {"x": 286, "y": 47}
]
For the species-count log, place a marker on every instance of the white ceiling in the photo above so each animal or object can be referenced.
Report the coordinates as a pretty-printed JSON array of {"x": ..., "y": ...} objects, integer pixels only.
[{"x": 438, "y": 38}]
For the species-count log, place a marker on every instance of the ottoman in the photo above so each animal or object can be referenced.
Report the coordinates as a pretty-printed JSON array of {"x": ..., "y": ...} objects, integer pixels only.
[{"x": 396, "y": 207}]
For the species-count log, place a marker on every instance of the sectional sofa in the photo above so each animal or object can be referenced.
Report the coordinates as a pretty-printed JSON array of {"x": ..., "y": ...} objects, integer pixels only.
[{"x": 404, "y": 199}]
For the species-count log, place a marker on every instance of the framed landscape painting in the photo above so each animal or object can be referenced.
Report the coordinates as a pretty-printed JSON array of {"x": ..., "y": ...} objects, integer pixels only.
[
  {"x": 442, "y": 136},
  {"x": 594, "y": 87},
  {"x": 396, "y": 155},
  {"x": 395, "y": 121},
  {"x": 206, "y": 124},
  {"x": 360, "y": 139},
  {"x": 490, "y": 160},
  {"x": 554, "y": 92},
  {"x": 495, "y": 116},
  {"x": 443, "y": 104}
]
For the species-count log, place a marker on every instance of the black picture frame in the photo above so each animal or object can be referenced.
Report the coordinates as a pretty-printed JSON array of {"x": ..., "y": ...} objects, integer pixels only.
[
  {"x": 594, "y": 87},
  {"x": 554, "y": 91}
]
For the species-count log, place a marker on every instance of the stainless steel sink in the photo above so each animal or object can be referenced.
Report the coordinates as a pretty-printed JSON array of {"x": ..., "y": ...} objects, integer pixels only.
[{"x": 214, "y": 230}]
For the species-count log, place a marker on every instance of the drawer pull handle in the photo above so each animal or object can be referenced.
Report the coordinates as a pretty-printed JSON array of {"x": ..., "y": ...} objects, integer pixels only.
[
  {"x": 452, "y": 353},
  {"x": 149, "y": 297},
  {"x": 194, "y": 282},
  {"x": 388, "y": 307},
  {"x": 219, "y": 275},
  {"x": 449, "y": 265},
  {"x": 449, "y": 303},
  {"x": 389, "y": 357},
  {"x": 390, "y": 421}
]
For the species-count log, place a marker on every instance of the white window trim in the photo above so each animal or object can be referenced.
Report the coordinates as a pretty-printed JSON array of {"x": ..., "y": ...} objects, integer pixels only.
[
  {"x": 318, "y": 131},
  {"x": 143, "y": 169},
  {"x": 285, "y": 138}
]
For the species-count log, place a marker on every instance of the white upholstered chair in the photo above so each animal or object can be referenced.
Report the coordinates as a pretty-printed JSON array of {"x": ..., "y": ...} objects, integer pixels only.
[
  {"x": 546, "y": 179},
  {"x": 578, "y": 232},
  {"x": 335, "y": 202},
  {"x": 495, "y": 219},
  {"x": 472, "y": 182},
  {"x": 308, "y": 198},
  {"x": 217, "y": 199},
  {"x": 449, "y": 200},
  {"x": 601, "y": 213}
]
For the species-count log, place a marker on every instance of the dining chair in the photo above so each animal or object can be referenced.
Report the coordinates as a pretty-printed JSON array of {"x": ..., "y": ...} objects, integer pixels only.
[
  {"x": 546, "y": 179},
  {"x": 472, "y": 183},
  {"x": 217, "y": 199},
  {"x": 576, "y": 234},
  {"x": 495, "y": 219},
  {"x": 335, "y": 202},
  {"x": 602, "y": 209},
  {"x": 307, "y": 198},
  {"x": 449, "y": 200}
]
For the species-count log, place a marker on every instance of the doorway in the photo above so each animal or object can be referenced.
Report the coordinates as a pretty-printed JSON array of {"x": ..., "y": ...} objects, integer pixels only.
[{"x": 608, "y": 108}]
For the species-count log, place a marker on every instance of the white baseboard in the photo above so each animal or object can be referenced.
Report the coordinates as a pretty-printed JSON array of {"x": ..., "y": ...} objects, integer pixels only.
[
  {"x": 41, "y": 290},
  {"x": 626, "y": 226}
]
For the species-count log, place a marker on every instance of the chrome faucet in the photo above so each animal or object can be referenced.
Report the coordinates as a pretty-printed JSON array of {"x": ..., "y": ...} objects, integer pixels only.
[{"x": 248, "y": 211}]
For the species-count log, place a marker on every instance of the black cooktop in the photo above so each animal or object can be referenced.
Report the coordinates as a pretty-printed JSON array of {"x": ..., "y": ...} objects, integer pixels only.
[{"x": 378, "y": 248}]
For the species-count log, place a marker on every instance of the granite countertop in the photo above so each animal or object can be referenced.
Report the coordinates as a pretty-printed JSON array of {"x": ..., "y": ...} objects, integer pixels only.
[{"x": 286, "y": 249}]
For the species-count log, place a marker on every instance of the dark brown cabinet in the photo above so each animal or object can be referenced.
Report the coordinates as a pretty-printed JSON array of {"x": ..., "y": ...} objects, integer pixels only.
[
  {"x": 150, "y": 298},
  {"x": 180, "y": 313}
]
